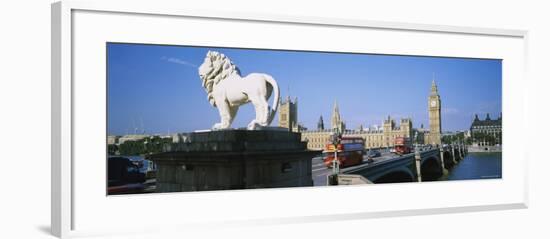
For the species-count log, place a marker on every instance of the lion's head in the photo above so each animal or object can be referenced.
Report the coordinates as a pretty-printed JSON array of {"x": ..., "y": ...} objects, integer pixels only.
[{"x": 215, "y": 68}]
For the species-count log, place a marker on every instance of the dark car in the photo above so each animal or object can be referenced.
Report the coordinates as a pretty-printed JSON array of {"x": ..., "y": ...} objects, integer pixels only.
[
  {"x": 373, "y": 153},
  {"x": 122, "y": 171},
  {"x": 147, "y": 167}
]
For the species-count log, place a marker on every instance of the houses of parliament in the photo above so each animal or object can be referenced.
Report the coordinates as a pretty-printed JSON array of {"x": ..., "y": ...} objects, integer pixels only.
[{"x": 375, "y": 137}]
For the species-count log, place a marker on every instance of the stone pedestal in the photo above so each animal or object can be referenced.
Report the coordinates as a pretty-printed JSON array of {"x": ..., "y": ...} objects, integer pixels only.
[{"x": 234, "y": 159}]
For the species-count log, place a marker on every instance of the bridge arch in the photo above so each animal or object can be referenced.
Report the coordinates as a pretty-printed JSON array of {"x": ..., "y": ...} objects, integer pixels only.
[
  {"x": 396, "y": 176},
  {"x": 431, "y": 169}
]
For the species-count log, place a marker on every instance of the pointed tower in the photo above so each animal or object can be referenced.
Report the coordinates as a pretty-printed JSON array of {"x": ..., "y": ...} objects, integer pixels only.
[
  {"x": 434, "y": 87},
  {"x": 434, "y": 109},
  {"x": 336, "y": 121},
  {"x": 320, "y": 124}
]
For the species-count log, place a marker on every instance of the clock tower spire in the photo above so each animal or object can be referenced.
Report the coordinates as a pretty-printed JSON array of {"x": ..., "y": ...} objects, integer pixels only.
[
  {"x": 434, "y": 88},
  {"x": 434, "y": 109}
]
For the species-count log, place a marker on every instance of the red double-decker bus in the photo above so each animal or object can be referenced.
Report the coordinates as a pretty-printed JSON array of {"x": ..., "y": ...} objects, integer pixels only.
[{"x": 350, "y": 152}]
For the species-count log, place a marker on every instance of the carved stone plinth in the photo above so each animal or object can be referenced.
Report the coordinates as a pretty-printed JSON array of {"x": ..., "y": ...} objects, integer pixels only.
[{"x": 234, "y": 159}]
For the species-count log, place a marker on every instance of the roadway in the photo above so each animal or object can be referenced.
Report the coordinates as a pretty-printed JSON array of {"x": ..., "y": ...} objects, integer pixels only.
[{"x": 320, "y": 171}]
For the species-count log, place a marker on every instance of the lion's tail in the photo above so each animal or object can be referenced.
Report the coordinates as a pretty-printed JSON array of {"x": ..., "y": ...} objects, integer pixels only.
[{"x": 276, "y": 97}]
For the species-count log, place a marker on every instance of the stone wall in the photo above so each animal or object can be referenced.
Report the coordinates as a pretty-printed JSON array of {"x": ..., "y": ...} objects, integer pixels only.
[
  {"x": 484, "y": 149},
  {"x": 234, "y": 159}
]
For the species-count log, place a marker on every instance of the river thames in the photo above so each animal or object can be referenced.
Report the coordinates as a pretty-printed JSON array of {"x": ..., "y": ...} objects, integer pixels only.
[{"x": 476, "y": 166}]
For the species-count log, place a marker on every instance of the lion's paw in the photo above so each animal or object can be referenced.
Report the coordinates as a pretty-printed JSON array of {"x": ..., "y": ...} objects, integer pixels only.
[
  {"x": 253, "y": 125},
  {"x": 217, "y": 126}
]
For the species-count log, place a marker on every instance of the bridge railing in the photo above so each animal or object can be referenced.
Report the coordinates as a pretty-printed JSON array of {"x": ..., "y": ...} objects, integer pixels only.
[
  {"x": 356, "y": 175},
  {"x": 350, "y": 179}
]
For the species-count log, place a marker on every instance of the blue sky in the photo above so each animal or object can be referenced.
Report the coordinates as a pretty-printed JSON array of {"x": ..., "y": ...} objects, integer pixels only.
[{"x": 157, "y": 88}]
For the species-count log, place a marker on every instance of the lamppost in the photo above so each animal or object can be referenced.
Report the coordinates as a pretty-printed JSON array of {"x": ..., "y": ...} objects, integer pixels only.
[
  {"x": 416, "y": 141},
  {"x": 336, "y": 139}
]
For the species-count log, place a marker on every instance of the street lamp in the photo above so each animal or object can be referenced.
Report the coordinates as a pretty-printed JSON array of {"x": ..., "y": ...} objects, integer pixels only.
[
  {"x": 337, "y": 137},
  {"x": 416, "y": 141}
]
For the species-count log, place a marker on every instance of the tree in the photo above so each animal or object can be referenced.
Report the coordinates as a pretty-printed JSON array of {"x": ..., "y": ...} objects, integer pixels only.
[
  {"x": 488, "y": 139},
  {"x": 468, "y": 141},
  {"x": 132, "y": 147},
  {"x": 453, "y": 138},
  {"x": 151, "y": 145},
  {"x": 112, "y": 149}
]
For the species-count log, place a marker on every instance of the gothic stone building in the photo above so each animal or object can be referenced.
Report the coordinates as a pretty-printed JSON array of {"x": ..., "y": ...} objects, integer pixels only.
[{"x": 375, "y": 137}]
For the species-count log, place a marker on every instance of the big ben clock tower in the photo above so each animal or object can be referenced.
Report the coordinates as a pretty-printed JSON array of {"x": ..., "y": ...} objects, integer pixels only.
[{"x": 434, "y": 106}]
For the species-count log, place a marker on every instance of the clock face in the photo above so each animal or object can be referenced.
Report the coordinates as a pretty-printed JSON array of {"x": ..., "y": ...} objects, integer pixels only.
[{"x": 433, "y": 103}]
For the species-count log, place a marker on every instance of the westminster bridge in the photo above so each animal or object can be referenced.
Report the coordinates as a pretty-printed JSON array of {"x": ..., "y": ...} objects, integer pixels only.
[
  {"x": 242, "y": 159},
  {"x": 425, "y": 164}
]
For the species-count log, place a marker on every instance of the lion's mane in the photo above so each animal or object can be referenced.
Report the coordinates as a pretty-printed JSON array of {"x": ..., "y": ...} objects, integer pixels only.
[{"x": 218, "y": 67}]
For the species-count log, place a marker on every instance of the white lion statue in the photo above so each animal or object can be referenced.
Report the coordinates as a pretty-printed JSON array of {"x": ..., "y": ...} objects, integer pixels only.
[{"x": 227, "y": 90}]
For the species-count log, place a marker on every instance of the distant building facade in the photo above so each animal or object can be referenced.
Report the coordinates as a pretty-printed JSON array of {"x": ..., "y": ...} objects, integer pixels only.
[
  {"x": 112, "y": 139},
  {"x": 419, "y": 135},
  {"x": 486, "y": 132},
  {"x": 132, "y": 137}
]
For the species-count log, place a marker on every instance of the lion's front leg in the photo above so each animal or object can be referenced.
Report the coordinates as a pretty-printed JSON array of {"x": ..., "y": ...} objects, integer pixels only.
[
  {"x": 225, "y": 115},
  {"x": 261, "y": 107}
]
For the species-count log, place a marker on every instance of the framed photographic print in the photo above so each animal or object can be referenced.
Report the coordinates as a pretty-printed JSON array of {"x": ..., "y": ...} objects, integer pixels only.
[{"x": 212, "y": 117}]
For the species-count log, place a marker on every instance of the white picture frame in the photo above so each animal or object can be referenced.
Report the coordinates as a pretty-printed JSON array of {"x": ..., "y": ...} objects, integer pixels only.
[{"x": 69, "y": 214}]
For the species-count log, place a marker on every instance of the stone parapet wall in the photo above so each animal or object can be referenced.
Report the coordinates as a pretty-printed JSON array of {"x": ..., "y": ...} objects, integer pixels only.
[
  {"x": 239, "y": 140},
  {"x": 234, "y": 159}
]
